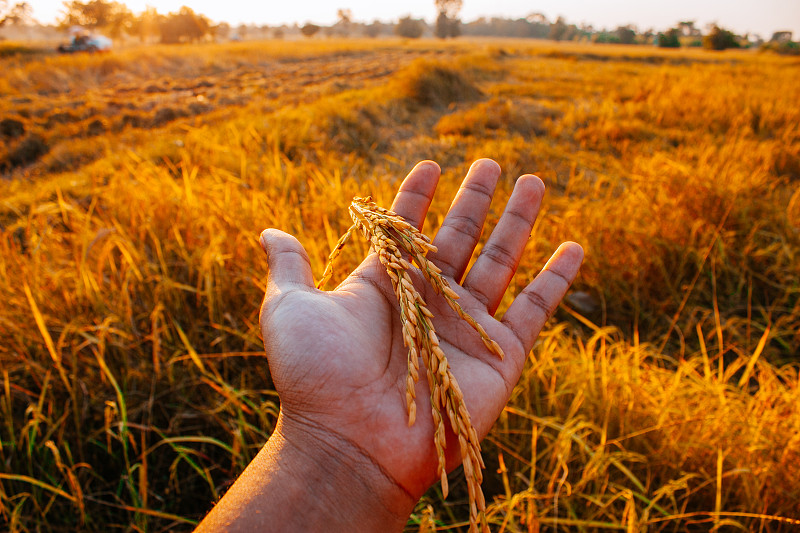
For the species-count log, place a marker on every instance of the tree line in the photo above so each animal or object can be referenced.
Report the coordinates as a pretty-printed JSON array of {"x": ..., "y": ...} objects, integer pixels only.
[
  {"x": 185, "y": 25},
  {"x": 116, "y": 19}
]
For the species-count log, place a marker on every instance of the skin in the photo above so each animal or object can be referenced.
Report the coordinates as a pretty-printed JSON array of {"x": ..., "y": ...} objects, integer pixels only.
[{"x": 342, "y": 457}]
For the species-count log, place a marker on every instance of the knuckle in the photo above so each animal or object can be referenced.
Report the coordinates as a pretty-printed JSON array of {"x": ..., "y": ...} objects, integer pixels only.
[
  {"x": 479, "y": 188},
  {"x": 463, "y": 224},
  {"x": 500, "y": 255},
  {"x": 479, "y": 295},
  {"x": 539, "y": 302}
]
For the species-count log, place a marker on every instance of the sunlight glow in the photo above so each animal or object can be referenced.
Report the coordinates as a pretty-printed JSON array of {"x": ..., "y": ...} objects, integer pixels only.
[{"x": 741, "y": 16}]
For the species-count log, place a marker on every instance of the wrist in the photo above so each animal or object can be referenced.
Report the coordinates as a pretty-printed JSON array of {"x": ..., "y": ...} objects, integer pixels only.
[
  {"x": 346, "y": 489},
  {"x": 310, "y": 479}
]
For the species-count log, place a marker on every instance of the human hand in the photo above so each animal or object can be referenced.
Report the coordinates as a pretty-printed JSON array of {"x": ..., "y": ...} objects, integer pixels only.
[{"x": 339, "y": 364}]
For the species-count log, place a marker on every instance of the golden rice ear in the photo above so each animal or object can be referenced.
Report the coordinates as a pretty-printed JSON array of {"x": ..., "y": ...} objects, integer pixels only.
[
  {"x": 390, "y": 236},
  {"x": 326, "y": 275}
]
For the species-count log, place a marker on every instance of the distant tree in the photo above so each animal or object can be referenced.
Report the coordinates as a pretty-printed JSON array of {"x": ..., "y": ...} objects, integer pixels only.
[
  {"x": 17, "y": 14},
  {"x": 558, "y": 29},
  {"x": 446, "y": 26},
  {"x": 626, "y": 34},
  {"x": 184, "y": 26},
  {"x": 451, "y": 8},
  {"x": 455, "y": 27},
  {"x": 784, "y": 48},
  {"x": 539, "y": 27},
  {"x": 442, "y": 29},
  {"x": 409, "y": 28},
  {"x": 585, "y": 31},
  {"x": 344, "y": 22},
  {"x": 221, "y": 30},
  {"x": 502, "y": 27},
  {"x": 344, "y": 16},
  {"x": 781, "y": 37},
  {"x": 606, "y": 37},
  {"x": 97, "y": 14},
  {"x": 278, "y": 33},
  {"x": 670, "y": 39},
  {"x": 309, "y": 30},
  {"x": 373, "y": 30},
  {"x": 688, "y": 29},
  {"x": 121, "y": 22},
  {"x": 146, "y": 25},
  {"x": 720, "y": 39},
  {"x": 448, "y": 23},
  {"x": 537, "y": 18}
]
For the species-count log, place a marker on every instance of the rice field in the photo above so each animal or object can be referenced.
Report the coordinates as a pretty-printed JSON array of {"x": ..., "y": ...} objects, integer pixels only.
[{"x": 662, "y": 396}]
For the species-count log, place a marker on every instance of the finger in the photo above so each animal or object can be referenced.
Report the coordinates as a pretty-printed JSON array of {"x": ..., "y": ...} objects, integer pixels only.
[
  {"x": 534, "y": 305},
  {"x": 287, "y": 261},
  {"x": 416, "y": 192},
  {"x": 489, "y": 277},
  {"x": 462, "y": 225}
]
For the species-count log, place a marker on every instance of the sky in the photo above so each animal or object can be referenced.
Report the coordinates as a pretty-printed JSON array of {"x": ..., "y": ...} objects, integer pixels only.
[{"x": 741, "y": 16}]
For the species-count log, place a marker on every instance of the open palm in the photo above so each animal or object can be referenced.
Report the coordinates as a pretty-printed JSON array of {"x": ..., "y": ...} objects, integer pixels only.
[{"x": 337, "y": 358}]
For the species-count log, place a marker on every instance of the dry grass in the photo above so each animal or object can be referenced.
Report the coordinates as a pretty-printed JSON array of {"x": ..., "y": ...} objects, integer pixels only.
[{"x": 133, "y": 388}]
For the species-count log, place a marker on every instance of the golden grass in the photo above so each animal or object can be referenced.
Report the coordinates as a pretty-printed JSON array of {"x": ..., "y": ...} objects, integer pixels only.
[{"x": 667, "y": 404}]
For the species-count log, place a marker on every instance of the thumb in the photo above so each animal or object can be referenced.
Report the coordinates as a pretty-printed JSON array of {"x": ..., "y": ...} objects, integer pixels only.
[{"x": 287, "y": 260}]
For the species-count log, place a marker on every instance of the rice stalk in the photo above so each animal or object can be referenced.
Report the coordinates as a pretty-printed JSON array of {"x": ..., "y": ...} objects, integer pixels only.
[{"x": 390, "y": 236}]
